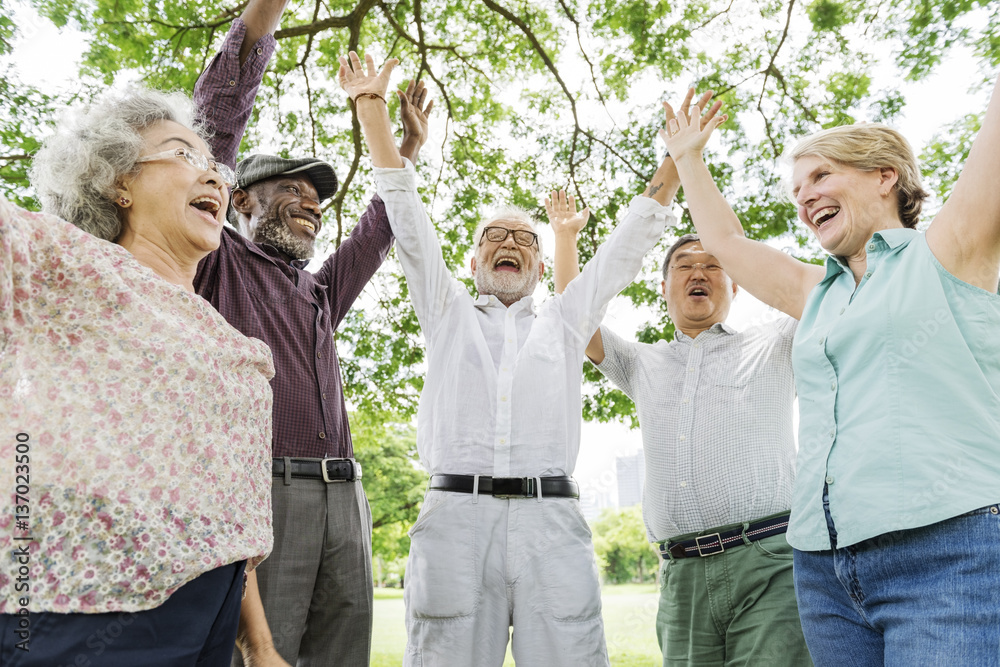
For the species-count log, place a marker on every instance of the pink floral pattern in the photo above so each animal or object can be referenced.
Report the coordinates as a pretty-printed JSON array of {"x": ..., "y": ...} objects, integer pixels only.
[{"x": 149, "y": 420}]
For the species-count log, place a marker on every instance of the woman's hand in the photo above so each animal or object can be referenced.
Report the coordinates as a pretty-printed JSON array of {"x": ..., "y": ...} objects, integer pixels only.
[{"x": 683, "y": 136}]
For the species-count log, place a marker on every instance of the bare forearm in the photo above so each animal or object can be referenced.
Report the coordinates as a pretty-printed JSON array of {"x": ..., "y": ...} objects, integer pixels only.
[
  {"x": 410, "y": 149},
  {"x": 665, "y": 182},
  {"x": 567, "y": 261},
  {"x": 713, "y": 217},
  {"x": 253, "y": 634},
  {"x": 262, "y": 18},
  {"x": 374, "y": 118}
]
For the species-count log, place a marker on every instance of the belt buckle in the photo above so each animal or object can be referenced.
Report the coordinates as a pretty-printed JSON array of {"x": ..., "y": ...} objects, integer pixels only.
[
  {"x": 355, "y": 469},
  {"x": 697, "y": 543},
  {"x": 513, "y": 487}
]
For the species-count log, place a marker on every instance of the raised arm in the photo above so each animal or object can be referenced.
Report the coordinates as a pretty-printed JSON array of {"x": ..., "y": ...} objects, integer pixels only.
[
  {"x": 965, "y": 234},
  {"x": 772, "y": 276},
  {"x": 662, "y": 188},
  {"x": 566, "y": 223},
  {"x": 432, "y": 288},
  {"x": 226, "y": 90},
  {"x": 414, "y": 117},
  {"x": 261, "y": 18},
  {"x": 367, "y": 91}
]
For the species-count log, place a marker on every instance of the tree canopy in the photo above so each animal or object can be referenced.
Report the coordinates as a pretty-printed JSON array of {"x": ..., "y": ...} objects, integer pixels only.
[{"x": 531, "y": 96}]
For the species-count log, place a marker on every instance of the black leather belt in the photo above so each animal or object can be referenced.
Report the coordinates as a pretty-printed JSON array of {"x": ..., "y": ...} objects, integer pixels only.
[
  {"x": 508, "y": 487},
  {"x": 328, "y": 470},
  {"x": 718, "y": 541}
]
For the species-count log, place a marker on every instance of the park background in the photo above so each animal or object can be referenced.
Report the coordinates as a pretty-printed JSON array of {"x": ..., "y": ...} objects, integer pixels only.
[{"x": 530, "y": 96}]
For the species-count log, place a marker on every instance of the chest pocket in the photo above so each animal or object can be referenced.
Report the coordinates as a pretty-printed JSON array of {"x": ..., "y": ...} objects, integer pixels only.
[{"x": 729, "y": 369}]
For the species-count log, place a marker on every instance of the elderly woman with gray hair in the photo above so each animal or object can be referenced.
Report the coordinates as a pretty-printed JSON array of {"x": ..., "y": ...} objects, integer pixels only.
[
  {"x": 138, "y": 420},
  {"x": 895, "y": 508}
]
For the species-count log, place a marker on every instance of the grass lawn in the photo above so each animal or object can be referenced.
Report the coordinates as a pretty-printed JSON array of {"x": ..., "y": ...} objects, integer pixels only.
[{"x": 629, "y": 624}]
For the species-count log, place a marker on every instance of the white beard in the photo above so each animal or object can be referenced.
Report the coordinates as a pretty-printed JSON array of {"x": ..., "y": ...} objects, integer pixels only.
[
  {"x": 275, "y": 232},
  {"x": 507, "y": 286}
]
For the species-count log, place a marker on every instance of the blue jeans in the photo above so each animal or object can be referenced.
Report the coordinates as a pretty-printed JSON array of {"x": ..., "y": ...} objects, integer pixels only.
[{"x": 925, "y": 596}]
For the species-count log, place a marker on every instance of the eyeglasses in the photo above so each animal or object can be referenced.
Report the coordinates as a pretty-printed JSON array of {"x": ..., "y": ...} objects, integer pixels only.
[
  {"x": 688, "y": 267},
  {"x": 196, "y": 159},
  {"x": 498, "y": 234}
]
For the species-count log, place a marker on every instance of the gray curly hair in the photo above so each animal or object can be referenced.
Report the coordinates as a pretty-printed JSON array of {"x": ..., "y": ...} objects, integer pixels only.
[{"x": 77, "y": 170}]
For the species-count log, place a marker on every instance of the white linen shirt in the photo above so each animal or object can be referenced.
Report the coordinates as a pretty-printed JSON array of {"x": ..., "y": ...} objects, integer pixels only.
[
  {"x": 502, "y": 392},
  {"x": 716, "y": 419}
]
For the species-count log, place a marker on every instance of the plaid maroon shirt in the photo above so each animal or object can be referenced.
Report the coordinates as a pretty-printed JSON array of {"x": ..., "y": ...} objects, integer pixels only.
[{"x": 295, "y": 312}]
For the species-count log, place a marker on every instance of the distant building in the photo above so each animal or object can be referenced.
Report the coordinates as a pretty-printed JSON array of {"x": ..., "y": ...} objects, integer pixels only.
[{"x": 631, "y": 477}]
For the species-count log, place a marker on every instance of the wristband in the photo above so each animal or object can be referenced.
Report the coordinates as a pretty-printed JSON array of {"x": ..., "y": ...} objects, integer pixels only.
[{"x": 374, "y": 96}]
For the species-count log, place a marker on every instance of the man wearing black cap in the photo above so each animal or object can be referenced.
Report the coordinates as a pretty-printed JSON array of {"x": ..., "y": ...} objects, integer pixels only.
[{"x": 310, "y": 602}]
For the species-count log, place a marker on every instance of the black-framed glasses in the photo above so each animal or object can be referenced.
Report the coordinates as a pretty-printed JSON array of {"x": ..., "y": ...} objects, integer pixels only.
[
  {"x": 498, "y": 234},
  {"x": 196, "y": 159}
]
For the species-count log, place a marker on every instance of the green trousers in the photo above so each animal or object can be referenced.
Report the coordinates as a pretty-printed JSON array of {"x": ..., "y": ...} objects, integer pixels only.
[{"x": 733, "y": 608}]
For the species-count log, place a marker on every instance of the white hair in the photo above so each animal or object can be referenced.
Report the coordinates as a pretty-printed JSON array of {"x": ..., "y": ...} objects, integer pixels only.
[
  {"x": 513, "y": 213},
  {"x": 77, "y": 170}
]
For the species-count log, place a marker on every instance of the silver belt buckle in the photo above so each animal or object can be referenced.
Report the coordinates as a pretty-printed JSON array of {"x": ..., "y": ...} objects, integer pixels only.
[
  {"x": 697, "y": 543},
  {"x": 326, "y": 475}
]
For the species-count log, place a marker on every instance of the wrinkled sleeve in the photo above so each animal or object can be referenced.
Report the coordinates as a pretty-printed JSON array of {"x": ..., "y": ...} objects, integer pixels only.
[
  {"x": 348, "y": 270},
  {"x": 620, "y": 360},
  {"x": 615, "y": 264},
  {"x": 432, "y": 287},
  {"x": 225, "y": 91}
]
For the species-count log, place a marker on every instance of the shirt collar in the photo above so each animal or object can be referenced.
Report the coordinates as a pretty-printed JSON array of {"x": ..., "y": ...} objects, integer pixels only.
[
  {"x": 717, "y": 328},
  {"x": 891, "y": 238},
  {"x": 489, "y": 301}
]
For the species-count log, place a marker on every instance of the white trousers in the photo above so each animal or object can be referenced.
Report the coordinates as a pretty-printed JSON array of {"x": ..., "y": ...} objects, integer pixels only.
[{"x": 476, "y": 569}]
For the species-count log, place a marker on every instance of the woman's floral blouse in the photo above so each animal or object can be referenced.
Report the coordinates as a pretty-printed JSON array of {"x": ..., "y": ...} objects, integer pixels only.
[{"x": 147, "y": 420}]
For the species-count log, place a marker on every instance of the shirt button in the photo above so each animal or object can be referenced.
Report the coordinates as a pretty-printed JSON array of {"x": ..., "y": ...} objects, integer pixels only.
[
  {"x": 324, "y": 396},
  {"x": 832, "y": 432},
  {"x": 682, "y": 437},
  {"x": 995, "y": 510},
  {"x": 843, "y": 310},
  {"x": 829, "y": 479},
  {"x": 510, "y": 340},
  {"x": 821, "y": 341},
  {"x": 690, "y": 369},
  {"x": 868, "y": 274},
  {"x": 503, "y": 440},
  {"x": 833, "y": 385},
  {"x": 686, "y": 400},
  {"x": 232, "y": 82},
  {"x": 503, "y": 398},
  {"x": 319, "y": 355},
  {"x": 684, "y": 485},
  {"x": 697, "y": 344},
  {"x": 871, "y": 247},
  {"x": 260, "y": 51},
  {"x": 322, "y": 435},
  {"x": 504, "y": 369}
]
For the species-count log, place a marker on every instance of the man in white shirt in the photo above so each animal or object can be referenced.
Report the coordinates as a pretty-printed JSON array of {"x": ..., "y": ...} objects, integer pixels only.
[
  {"x": 715, "y": 409},
  {"x": 500, "y": 541}
]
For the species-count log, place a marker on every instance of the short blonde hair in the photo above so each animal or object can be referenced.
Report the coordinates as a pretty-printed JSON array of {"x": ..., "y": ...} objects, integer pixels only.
[{"x": 869, "y": 146}]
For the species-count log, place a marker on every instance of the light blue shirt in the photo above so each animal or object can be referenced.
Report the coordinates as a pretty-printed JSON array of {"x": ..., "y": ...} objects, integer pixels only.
[{"x": 899, "y": 396}]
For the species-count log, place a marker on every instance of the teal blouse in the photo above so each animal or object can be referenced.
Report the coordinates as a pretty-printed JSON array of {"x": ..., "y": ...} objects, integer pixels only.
[{"x": 899, "y": 396}]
